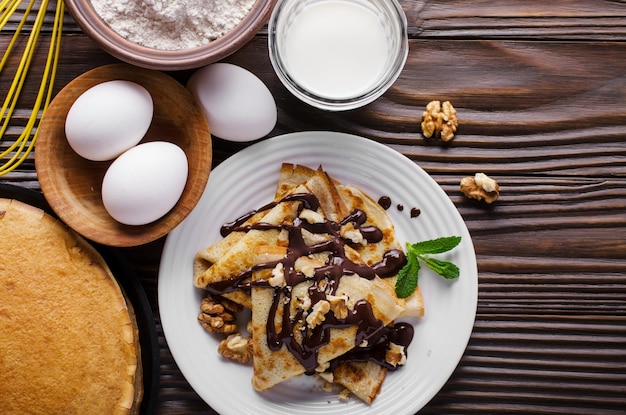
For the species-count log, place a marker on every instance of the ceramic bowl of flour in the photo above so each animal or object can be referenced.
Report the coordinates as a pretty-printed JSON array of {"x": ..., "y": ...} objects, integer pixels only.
[{"x": 170, "y": 34}]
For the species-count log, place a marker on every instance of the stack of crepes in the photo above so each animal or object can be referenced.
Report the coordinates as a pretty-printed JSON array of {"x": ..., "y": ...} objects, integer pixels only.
[
  {"x": 69, "y": 340},
  {"x": 317, "y": 268}
]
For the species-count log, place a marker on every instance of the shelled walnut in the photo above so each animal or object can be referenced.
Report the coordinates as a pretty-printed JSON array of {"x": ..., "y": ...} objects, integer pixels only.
[
  {"x": 395, "y": 355},
  {"x": 480, "y": 187},
  {"x": 236, "y": 347},
  {"x": 338, "y": 305},
  {"x": 318, "y": 314},
  {"x": 439, "y": 120},
  {"x": 218, "y": 315}
]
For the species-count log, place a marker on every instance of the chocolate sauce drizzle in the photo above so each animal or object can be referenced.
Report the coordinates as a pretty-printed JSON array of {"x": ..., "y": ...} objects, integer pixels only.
[
  {"x": 309, "y": 201},
  {"x": 375, "y": 351},
  {"x": 385, "y": 203},
  {"x": 325, "y": 281}
]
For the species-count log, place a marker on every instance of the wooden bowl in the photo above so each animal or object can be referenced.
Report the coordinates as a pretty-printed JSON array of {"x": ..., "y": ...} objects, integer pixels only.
[
  {"x": 72, "y": 185},
  {"x": 169, "y": 60}
]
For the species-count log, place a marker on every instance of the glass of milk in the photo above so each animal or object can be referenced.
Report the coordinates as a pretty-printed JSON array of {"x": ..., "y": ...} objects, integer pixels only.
[{"x": 338, "y": 54}]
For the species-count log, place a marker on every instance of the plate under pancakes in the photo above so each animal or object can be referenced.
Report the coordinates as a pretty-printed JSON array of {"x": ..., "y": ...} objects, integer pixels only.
[
  {"x": 70, "y": 339},
  {"x": 247, "y": 180},
  {"x": 263, "y": 247}
]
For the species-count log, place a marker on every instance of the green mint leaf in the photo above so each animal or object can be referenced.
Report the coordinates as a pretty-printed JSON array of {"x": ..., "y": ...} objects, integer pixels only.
[
  {"x": 444, "y": 268},
  {"x": 434, "y": 246},
  {"x": 407, "y": 277}
]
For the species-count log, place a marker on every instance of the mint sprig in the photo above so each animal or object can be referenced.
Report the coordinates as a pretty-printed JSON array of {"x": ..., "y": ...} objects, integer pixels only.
[{"x": 416, "y": 252}]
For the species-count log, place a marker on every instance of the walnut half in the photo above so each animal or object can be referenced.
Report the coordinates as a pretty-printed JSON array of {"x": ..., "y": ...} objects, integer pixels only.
[
  {"x": 236, "y": 347},
  {"x": 480, "y": 187},
  {"x": 218, "y": 315},
  {"x": 439, "y": 120}
]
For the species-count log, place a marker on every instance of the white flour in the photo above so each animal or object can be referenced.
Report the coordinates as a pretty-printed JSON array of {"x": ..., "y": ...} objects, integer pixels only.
[{"x": 172, "y": 24}]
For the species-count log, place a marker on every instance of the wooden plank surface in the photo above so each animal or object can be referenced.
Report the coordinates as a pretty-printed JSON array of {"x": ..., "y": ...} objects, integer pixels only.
[{"x": 540, "y": 89}]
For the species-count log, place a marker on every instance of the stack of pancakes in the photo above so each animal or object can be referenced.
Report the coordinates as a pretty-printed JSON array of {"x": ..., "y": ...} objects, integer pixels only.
[
  {"x": 304, "y": 266},
  {"x": 68, "y": 337}
]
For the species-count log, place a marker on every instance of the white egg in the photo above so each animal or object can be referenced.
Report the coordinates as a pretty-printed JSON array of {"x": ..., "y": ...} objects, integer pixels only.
[
  {"x": 145, "y": 182},
  {"x": 237, "y": 104},
  {"x": 108, "y": 119}
]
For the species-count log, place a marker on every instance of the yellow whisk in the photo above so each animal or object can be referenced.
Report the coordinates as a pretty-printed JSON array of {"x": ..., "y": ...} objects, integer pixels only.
[{"x": 19, "y": 150}]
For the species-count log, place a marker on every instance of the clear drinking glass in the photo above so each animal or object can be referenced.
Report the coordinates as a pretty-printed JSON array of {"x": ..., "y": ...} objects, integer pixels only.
[{"x": 338, "y": 54}]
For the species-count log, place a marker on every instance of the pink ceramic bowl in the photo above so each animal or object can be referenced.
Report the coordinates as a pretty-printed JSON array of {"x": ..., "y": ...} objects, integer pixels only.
[{"x": 168, "y": 60}]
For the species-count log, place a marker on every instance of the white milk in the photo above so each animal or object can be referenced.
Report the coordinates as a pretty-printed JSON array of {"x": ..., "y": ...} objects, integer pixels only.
[{"x": 336, "y": 49}]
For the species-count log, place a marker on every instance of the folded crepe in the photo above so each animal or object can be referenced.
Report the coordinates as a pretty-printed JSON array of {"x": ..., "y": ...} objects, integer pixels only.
[
  {"x": 301, "y": 343},
  {"x": 318, "y": 277}
]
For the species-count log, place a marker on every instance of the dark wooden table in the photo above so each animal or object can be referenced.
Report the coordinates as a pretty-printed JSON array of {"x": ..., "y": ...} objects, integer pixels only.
[{"x": 540, "y": 89}]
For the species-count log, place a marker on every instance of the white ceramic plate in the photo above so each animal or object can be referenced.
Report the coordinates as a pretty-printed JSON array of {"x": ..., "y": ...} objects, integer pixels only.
[{"x": 247, "y": 181}]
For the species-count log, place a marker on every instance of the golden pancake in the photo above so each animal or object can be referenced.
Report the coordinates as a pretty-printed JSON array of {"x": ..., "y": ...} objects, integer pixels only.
[{"x": 68, "y": 337}]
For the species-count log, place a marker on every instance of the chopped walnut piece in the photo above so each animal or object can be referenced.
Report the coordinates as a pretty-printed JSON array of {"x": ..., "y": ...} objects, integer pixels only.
[
  {"x": 311, "y": 216},
  {"x": 395, "y": 355},
  {"x": 344, "y": 395},
  {"x": 349, "y": 232},
  {"x": 303, "y": 303},
  {"x": 322, "y": 285},
  {"x": 236, "y": 347},
  {"x": 338, "y": 306},
  {"x": 480, "y": 187},
  {"x": 218, "y": 315},
  {"x": 311, "y": 238},
  {"x": 318, "y": 313},
  {"x": 278, "y": 276},
  {"x": 439, "y": 120}
]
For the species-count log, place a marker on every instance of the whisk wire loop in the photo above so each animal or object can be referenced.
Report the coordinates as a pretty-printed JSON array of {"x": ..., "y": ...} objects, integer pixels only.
[{"x": 24, "y": 145}]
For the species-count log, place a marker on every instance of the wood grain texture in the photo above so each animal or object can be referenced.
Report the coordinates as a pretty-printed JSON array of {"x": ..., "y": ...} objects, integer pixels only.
[
  {"x": 540, "y": 89},
  {"x": 529, "y": 19}
]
